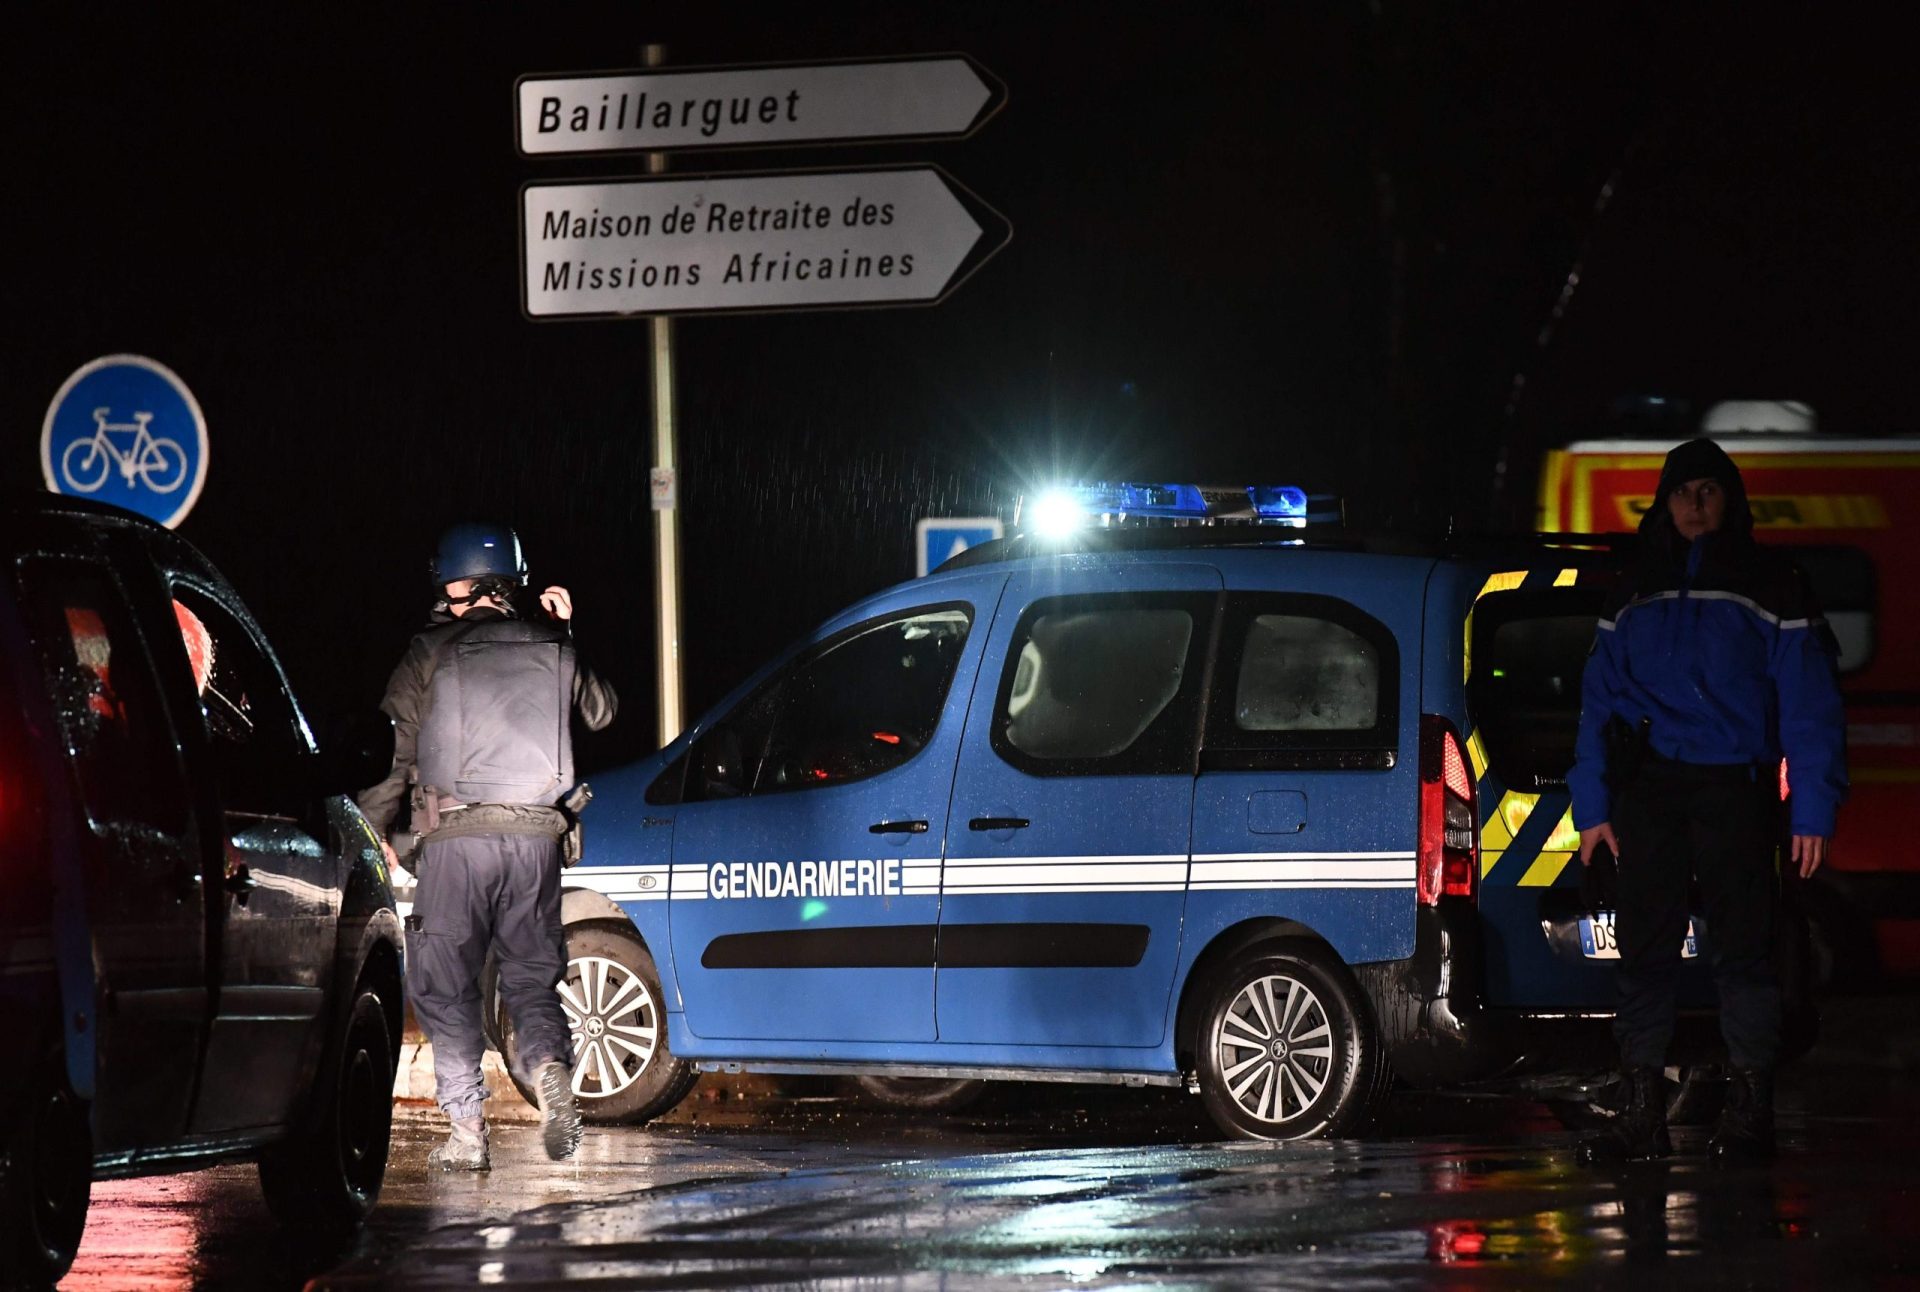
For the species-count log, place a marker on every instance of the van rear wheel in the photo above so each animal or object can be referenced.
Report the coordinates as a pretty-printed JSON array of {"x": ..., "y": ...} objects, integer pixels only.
[{"x": 1287, "y": 1049}]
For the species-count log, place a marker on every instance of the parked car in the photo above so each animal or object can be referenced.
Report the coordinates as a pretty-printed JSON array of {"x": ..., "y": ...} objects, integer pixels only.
[
  {"x": 1275, "y": 815},
  {"x": 199, "y": 956}
]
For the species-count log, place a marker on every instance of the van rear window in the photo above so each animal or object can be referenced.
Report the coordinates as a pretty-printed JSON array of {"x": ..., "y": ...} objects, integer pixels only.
[{"x": 1529, "y": 651}]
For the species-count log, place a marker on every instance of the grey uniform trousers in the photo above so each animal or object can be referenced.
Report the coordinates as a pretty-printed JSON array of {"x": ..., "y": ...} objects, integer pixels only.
[{"x": 482, "y": 892}]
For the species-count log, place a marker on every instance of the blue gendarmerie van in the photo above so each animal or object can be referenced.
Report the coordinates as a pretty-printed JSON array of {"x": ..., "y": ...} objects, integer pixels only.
[{"x": 1221, "y": 801}]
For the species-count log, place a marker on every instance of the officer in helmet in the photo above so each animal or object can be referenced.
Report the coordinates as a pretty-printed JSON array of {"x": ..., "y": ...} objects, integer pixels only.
[
  {"x": 1710, "y": 663},
  {"x": 482, "y": 704}
]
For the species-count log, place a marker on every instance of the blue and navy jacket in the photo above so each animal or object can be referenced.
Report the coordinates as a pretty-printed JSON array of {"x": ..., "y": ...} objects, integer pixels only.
[{"x": 1719, "y": 646}]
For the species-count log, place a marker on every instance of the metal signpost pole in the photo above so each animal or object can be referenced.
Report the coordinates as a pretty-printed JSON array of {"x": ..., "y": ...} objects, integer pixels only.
[{"x": 665, "y": 486}]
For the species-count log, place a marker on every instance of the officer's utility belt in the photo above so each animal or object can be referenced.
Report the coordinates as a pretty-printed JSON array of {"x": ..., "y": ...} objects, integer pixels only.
[
  {"x": 1707, "y": 773},
  {"x": 464, "y": 820}
]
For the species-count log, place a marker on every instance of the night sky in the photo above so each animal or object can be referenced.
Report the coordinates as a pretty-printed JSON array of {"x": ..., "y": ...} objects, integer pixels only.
[{"x": 1308, "y": 244}]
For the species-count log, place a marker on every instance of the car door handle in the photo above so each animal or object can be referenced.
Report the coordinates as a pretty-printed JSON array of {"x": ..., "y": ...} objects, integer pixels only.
[
  {"x": 897, "y": 827},
  {"x": 984, "y": 823}
]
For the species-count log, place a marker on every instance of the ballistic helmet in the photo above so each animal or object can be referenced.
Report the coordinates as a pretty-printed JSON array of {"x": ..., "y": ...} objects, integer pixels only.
[{"x": 477, "y": 550}]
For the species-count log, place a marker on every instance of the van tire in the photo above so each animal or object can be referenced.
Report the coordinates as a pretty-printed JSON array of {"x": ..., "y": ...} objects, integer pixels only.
[
  {"x": 661, "y": 1080},
  {"x": 46, "y": 1180},
  {"x": 327, "y": 1176},
  {"x": 920, "y": 1094},
  {"x": 1330, "y": 1040}
]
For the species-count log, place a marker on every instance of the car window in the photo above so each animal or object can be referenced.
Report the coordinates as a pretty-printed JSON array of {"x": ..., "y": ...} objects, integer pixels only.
[
  {"x": 1304, "y": 681},
  {"x": 249, "y": 715},
  {"x": 858, "y": 705},
  {"x": 1843, "y": 587},
  {"x": 1301, "y": 673},
  {"x": 1103, "y": 684},
  {"x": 99, "y": 674},
  {"x": 1529, "y": 652}
]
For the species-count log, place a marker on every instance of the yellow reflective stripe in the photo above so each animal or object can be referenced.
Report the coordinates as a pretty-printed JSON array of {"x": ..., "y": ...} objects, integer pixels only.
[
  {"x": 1505, "y": 581},
  {"x": 1566, "y": 578},
  {"x": 1477, "y": 754},
  {"x": 1564, "y": 837},
  {"x": 1545, "y": 869}
]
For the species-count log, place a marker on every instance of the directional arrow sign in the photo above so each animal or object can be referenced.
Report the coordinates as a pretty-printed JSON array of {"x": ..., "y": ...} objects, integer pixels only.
[
  {"x": 939, "y": 96},
  {"x": 789, "y": 240}
]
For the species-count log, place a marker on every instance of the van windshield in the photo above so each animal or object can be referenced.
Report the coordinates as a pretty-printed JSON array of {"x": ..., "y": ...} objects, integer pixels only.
[{"x": 1529, "y": 650}]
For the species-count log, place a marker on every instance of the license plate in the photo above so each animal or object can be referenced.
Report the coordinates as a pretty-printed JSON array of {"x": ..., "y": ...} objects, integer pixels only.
[{"x": 1597, "y": 941}]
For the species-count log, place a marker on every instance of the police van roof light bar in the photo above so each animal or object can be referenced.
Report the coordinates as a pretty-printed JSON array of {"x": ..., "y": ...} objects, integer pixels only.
[{"x": 1114, "y": 504}]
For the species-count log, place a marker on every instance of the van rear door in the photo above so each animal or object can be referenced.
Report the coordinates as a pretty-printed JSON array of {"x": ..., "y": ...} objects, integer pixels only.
[{"x": 1528, "y": 636}]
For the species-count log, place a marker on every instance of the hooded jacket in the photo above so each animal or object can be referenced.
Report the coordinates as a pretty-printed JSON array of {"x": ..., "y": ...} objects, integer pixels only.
[{"x": 1718, "y": 645}]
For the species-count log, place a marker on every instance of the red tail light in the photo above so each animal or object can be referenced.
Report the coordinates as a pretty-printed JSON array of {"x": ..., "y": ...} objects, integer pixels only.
[
  {"x": 1449, "y": 864},
  {"x": 1784, "y": 790}
]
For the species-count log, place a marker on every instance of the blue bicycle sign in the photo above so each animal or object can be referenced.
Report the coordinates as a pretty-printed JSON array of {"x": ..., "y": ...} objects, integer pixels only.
[{"x": 126, "y": 430}]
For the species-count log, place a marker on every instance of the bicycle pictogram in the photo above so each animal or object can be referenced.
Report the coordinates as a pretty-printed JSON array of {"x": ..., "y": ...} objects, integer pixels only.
[{"x": 158, "y": 462}]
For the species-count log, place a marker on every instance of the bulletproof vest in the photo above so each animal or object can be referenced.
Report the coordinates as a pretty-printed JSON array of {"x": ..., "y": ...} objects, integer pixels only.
[{"x": 496, "y": 727}]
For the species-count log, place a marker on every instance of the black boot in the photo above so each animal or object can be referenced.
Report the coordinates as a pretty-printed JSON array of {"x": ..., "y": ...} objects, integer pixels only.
[
  {"x": 1745, "y": 1132},
  {"x": 1640, "y": 1130}
]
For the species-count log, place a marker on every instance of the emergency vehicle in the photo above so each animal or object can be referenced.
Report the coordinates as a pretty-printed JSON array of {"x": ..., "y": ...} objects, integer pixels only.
[
  {"x": 1224, "y": 801},
  {"x": 1848, "y": 510}
]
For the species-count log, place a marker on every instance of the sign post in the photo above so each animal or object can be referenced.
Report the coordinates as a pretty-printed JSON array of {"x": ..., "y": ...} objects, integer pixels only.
[
  {"x": 660, "y": 246},
  {"x": 125, "y": 430},
  {"x": 670, "y": 693}
]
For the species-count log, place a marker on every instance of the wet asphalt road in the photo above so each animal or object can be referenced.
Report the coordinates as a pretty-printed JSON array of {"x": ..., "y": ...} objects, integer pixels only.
[{"x": 1078, "y": 1187}]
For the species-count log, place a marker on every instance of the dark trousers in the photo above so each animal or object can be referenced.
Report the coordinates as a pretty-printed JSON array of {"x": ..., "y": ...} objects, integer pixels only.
[
  {"x": 475, "y": 893},
  {"x": 1678, "y": 824}
]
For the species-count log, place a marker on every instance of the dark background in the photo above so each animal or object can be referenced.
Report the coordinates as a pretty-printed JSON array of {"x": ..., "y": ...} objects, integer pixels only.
[{"x": 1309, "y": 243}]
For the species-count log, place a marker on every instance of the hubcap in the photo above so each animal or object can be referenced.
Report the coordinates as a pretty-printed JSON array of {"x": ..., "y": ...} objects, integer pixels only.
[
  {"x": 1274, "y": 1048},
  {"x": 614, "y": 1023}
]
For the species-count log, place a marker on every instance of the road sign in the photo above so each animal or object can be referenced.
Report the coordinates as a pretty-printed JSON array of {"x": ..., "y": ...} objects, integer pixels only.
[
  {"x": 938, "y": 539},
  {"x": 126, "y": 430},
  {"x": 937, "y": 96},
  {"x": 788, "y": 240}
]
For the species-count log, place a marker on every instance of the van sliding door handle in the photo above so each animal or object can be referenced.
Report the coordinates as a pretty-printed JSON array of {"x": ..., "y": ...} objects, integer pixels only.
[
  {"x": 984, "y": 823},
  {"x": 897, "y": 827}
]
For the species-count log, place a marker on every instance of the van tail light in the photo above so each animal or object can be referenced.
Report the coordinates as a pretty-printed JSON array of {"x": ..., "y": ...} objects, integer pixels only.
[
  {"x": 1784, "y": 790},
  {"x": 1449, "y": 864}
]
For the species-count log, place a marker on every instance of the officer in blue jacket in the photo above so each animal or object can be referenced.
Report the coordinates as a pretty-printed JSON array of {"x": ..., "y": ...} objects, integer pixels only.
[{"x": 1709, "y": 664}]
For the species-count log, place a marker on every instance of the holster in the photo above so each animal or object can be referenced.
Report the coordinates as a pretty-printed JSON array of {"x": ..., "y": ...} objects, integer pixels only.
[
  {"x": 573, "y": 842},
  {"x": 424, "y": 801}
]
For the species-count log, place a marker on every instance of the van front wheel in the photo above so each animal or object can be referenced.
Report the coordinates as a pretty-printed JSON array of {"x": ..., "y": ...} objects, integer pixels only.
[{"x": 1286, "y": 1048}]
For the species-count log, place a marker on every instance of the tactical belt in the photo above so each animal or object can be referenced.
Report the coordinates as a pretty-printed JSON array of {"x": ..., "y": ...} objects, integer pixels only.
[{"x": 465, "y": 821}]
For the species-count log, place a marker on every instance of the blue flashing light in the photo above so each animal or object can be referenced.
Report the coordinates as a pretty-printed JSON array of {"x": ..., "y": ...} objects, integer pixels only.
[
  {"x": 1279, "y": 502},
  {"x": 1064, "y": 508}
]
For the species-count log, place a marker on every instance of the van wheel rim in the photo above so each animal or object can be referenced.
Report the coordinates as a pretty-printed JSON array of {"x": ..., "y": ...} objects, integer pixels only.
[
  {"x": 613, "y": 1022},
  {"x": 1274, "y": 1048}
]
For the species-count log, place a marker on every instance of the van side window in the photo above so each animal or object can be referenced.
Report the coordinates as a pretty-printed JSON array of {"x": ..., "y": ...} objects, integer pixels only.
[
  {"x": 1303, "y": 681},
  {"x": 1103, "y": 684},
  {"x": 1300, "y": 673},
  {"x": 862, "y": 703},
  {"x": 108, "y": 703}
]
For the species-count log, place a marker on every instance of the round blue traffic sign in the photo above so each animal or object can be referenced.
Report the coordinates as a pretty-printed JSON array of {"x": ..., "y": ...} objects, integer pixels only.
[{"x": 126, "y": 430}]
